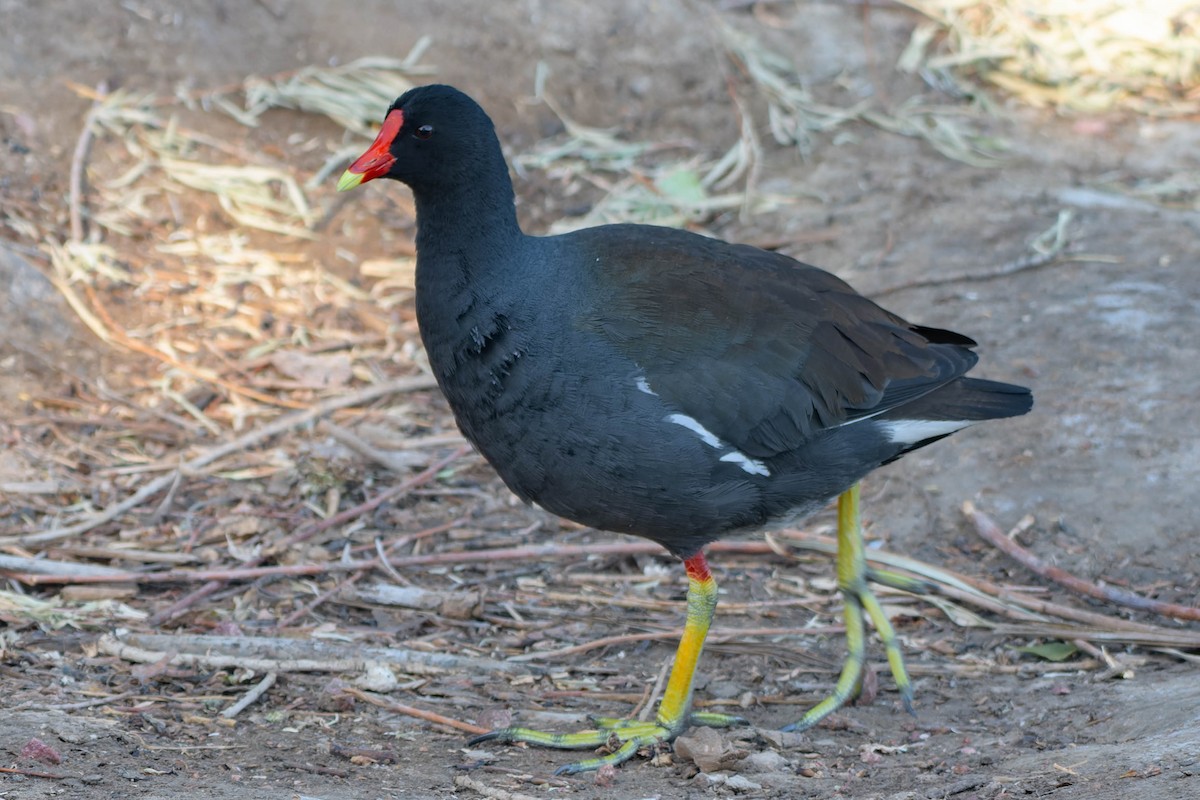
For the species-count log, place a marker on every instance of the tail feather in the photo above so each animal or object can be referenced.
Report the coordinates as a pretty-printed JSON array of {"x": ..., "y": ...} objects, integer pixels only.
[
  {"x": 950, "y": 408},
  {"x": 966, "y": 400}
]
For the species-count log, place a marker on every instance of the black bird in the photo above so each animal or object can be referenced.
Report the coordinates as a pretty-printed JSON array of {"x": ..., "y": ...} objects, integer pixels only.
[{"x": 661, "y": 383}]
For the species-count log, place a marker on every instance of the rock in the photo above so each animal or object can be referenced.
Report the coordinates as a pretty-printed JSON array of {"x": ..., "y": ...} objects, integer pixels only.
[
  {"x": 708, "y": 749},
  {"x": 765, "y": 761},
  {"x": 30, "y": 303}
]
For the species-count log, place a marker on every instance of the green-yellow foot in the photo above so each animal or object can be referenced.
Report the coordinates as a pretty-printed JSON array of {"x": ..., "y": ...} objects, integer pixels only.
[
  {"x": 623, "y": 737},
  {"x": 853, "y": 578}
]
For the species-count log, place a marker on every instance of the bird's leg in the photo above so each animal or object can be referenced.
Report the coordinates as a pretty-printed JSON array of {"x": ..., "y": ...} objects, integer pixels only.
[
  {"x": 625, "y": 736},
  {"x": 853, "y": 576}
]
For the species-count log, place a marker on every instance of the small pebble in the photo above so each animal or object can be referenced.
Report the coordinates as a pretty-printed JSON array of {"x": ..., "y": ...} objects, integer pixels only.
[{"x": 765, "y": 761}]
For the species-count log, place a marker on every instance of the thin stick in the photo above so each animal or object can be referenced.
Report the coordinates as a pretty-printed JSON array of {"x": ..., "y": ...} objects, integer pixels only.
[
  {"x": 34, "y": 774},
  {"x": 1051, "y": 630},
  {"x": 381, "y": 554},
  {"x": 96, "y": 701},
  {"x": 243, "y": 442},
  {"x": 978, "y": 591},
  {"x": 1031, "y": 261},
  {"x": 991, "y": 533},
  {"x": 650, "y": 703},
  {"x": 251, "y": 696},
  {"x": 548, "y": 551},
  {"x": 1056, "y": 243},
  {"x": 715, "y": 636},
  {"x": 78, "y": 161},
  {"x": 410, "y": 711},
  {"x": 363, "y": 448},
  {"x": 649, "y": 604},
  {"x": 273, "y": 652}
]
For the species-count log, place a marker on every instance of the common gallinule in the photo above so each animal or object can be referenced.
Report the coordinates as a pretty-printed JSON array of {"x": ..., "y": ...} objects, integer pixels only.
[{"x": 661, "y": 383}]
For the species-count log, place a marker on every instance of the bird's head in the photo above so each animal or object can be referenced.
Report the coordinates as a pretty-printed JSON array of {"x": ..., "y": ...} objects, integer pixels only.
[{"x": 432, "y": 136}]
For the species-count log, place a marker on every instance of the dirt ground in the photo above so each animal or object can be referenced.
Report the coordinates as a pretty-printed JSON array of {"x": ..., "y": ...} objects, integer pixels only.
[{"x": 1107, "y": 463}]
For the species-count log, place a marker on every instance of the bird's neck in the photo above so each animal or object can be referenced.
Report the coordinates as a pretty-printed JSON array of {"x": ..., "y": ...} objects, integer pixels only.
[
  {"x": 468, "y": 244},
  {"x": 464, "y": 240},
  {"x": 474, "y": 219}
]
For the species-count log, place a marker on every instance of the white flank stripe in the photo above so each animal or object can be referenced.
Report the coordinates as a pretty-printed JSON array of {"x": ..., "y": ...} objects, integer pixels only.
[
  {"x": 693, "y": 425},
  {"x": 911, "y": 431},
  {"x": 751, "y": 465},
  {"x": 643, "y": 385}
]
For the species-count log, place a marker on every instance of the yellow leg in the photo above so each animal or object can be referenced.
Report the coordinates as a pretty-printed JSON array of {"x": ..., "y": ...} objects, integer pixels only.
[
  {"x": 625, "y": 737},
  {"x": 853, "y": 575}
]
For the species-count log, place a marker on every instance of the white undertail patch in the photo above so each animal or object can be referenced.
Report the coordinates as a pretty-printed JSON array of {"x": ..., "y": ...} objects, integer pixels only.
[{"x": 911, "y": 431}]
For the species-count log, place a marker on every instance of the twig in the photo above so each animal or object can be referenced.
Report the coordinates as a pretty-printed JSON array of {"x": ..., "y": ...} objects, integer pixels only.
[
  {"x": 400, "y": 708},
  {"x": 243, "y": 442},
  {"x": 29, "y": 773},
  {"x": 1050, "y": 630},
  {"x": 275, "y": 651},
  {"x": 607, "y": 641},
  {"x": 193, "y": 576},
  {"x": 983, "y": 593},
  {"x": 111, "y": 645},
  {"x": 1031, "y": 261},
  {"x": 548, "y": 551},
  {"x": 365, "y": 449},
  {"x": 650, "y": 604},
  {"x": 95, "y": 701},
  {"x": 422, "y": 477},
  {"x": 168, "y": 499},
  {"x": 1049, "y": 247},
  {"x": 564, "y": 551},
  {"x": 715, "y": 636},
  {"x": 250, "y": 696},
  {"x": 69, "y": 570},
  {"x": 650, "y": 703},
  {"x": 78, "y": 161},
  {"x": 113, "y": 553},
  {"x": 991, "y": 533},
  {"x": 382, "y": 551},
  {"x": 1011, "y": 603},
  {"x": 253, "y": 569},
  {"x": 381, "y": 554}
]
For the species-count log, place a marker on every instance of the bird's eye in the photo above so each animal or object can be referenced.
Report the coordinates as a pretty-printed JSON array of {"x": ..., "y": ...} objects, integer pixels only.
[{"x": 424, "y": 132}]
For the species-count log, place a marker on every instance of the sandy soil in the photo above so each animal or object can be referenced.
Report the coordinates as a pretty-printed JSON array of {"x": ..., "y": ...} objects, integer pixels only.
[{"x": 1108, "y": 462}]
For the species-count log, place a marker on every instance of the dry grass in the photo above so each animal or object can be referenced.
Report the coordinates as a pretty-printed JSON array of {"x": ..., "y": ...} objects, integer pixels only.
[
  {"x": 1075, "y": 56},
  {"x": 796, "y": 116}
]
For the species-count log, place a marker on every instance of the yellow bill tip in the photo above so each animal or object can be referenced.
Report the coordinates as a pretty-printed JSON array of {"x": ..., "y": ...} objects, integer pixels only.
[{"x": 349, "y": 180}]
